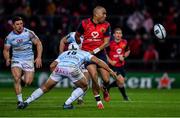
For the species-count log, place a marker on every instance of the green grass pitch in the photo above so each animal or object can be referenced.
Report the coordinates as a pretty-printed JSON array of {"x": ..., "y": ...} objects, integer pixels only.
[{"x": 144, "y": 103}]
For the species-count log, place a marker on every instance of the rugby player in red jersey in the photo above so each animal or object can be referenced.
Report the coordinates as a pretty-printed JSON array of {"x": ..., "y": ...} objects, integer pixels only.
[
  {"x": 96, "y": 32},
  {"x": 118, "y": 50}
]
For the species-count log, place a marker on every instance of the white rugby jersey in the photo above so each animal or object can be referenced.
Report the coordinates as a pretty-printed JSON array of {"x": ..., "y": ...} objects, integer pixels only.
[
  {"x": 71, "y": 38},
  {"x": 21, "y": 44},
  {"x": 74, "y": 58}
]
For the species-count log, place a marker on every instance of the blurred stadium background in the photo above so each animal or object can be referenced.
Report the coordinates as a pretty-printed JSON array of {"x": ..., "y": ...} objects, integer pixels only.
[{"x": 53, "y": 19}]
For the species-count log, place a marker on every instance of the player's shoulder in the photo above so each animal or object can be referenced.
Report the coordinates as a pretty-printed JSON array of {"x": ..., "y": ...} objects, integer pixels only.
[
  {"x": 28, "y": 30},
  {"x": 87, "y": 20},
  {"x": 10, "y": 35},
  {"x": 31, "y": 32},
  {"x": 124, "y": 40},
  {"x": 106, "y": 22},
  {"x": 112, "y": 41}
]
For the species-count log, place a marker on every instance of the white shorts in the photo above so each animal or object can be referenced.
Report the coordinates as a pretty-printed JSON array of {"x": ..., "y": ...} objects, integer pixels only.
[
  {"x": 71, "y": 72},
  {"x": 25, "y": 65}
]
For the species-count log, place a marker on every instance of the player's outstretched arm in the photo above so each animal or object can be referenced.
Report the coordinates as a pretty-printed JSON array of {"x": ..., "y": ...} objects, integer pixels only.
[{"x": 102, "y": 64}]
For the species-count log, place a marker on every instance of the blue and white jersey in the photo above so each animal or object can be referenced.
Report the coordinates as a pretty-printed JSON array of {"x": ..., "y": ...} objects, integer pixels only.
[
  {"x": 71, "y": 38},
  {"x": 73, "y": 58},
  {"x": 21, "y": 44}
]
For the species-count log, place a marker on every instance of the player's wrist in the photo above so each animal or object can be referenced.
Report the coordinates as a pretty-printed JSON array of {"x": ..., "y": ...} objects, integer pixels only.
[{"x": 95, "y": 51}]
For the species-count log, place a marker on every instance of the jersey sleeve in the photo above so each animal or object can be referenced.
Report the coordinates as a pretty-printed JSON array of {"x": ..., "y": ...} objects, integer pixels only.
[
  {"x": 108, "y": 32},
  {"x": 88, "y": 57},
  {"x": 32, "y": 35},
  {"x": 7, "y": 41}
]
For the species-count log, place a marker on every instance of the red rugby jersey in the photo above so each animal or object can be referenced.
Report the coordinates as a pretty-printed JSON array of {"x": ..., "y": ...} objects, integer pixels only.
[
  {"x": 116, "y": 49},
  {"x": 93, "y": 34}
]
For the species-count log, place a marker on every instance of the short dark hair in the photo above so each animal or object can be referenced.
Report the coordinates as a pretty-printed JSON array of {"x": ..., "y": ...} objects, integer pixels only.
[
  {"x": 16, "y": 18},
  {"x": 117, "y": 29}
]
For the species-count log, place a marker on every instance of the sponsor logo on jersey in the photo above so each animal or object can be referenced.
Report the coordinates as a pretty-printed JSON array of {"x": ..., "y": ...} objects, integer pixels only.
[{"x": 94, "y": 34}]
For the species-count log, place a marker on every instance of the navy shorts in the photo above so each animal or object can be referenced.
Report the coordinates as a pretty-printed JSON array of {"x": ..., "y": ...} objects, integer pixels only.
[
  {"x": 101, "y": 55},
  {"x": 119, "y": 70}
]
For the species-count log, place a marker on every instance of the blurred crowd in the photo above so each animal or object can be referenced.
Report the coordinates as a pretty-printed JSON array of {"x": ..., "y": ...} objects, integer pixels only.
[{"x": 52, "y": 19}]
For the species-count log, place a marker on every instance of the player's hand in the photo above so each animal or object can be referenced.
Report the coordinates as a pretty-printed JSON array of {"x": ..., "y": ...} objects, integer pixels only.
[
  {"x": 38, "y": 62},
  {"x": 8, "y": 62},
  {"x": 121, "y": 57},
  {"x": 112, "y": 63},
  {"x": 113, "y": 74}
]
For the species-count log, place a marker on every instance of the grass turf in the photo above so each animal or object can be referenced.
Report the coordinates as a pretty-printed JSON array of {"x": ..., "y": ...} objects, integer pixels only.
[{"x": 144, "y": 103}]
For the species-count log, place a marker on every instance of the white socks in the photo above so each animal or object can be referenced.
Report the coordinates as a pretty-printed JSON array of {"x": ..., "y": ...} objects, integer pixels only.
[
  {"x": 19, "y": 97},
  {"x": 99, "y": 102},
  {"x": 75, "y": 94},
  {"x": 38, "y": 93},
  {"x": 35, "y": 95}
]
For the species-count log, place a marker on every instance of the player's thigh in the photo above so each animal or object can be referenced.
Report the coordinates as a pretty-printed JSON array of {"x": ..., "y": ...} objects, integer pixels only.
[
  {"x": 104, "y": 74},
  {"x": 29, "y": 76},
  {"x": 16, "y": 72},
  {"x": 92, "y": 69},
  {"x": 86, "y": 74},
  {"x": 120, "y": 79}
]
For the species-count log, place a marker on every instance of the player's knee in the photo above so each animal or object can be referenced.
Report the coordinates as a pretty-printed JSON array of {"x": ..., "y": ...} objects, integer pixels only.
[
  {"x": 17, "y": 80},
  {"x": 85, "y": 88},
  {"x": 106, "y": 80},
  {"x": 44, "y": 89},
  {"x": 16, "y": 77},
  {"x": 28, "y": 81},
  {"x": 120, "y": 81}
]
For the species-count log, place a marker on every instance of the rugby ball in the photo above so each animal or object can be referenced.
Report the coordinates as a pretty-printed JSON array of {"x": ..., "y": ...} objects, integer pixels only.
[{"x": 159, "y": 31}]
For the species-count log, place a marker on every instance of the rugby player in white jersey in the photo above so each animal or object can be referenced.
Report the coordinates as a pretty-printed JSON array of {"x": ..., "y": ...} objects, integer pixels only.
[
  {"x": 22, "y": 61},
  {"x": 68, "y": 65},
  {"x": 64, "y": 42}
]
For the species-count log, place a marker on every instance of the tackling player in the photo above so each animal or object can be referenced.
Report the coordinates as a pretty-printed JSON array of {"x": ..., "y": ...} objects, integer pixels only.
[
  {"x": 70, "y": 38},
  {"x": 68, "y": 65}
]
